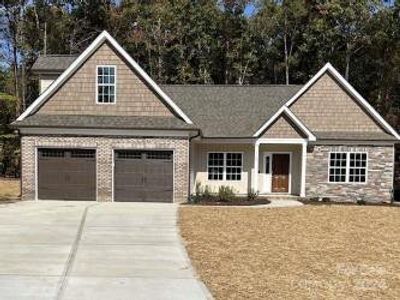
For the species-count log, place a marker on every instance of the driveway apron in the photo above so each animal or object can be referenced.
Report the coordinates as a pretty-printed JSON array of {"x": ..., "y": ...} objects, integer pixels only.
[{"x": 89, "y": 250}]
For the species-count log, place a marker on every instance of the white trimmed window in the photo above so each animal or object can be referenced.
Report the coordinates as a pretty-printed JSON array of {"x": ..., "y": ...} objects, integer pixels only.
[
  {"x": 106, "y": 84},
  {"x": 337, "y": 167},
  {"x": 348, "y": 167},
  {"x": 358, "y": 167},
  {"x": 225, "y": 166}
]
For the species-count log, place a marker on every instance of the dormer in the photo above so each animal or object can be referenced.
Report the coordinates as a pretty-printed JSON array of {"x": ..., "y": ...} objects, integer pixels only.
[{"x": 49, "y": 67}]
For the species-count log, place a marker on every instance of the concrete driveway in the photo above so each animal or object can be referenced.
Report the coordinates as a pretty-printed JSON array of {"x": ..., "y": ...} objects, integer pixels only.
[{"x": 89, "y": 250}]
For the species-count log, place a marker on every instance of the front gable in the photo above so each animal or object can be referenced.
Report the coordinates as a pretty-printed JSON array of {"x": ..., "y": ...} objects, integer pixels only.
[
  {"x": 328, "y": 103},
  {"x": 283, "y": 128},
  {"x": 326, "y": 106},
  {"x": 74, "y": 90},
  {"x": 77, "y": 96}
]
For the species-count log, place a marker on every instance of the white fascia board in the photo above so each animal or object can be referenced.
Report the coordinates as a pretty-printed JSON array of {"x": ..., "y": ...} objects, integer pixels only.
[
  {"x": 292, "y": 116},
  {"x": 328, "y": 67},
  {"x": 147, "y": 78},
  {"x": 269, "y": 121},
  {"x": 363, "y": 102},
  {"x": 77, "y": 62},
  {"x": 104, "y": 36},
  {"x": 280, "y": 141},
  {"x": 308, "y": 84},
  {"x": 296, "y": 121}
]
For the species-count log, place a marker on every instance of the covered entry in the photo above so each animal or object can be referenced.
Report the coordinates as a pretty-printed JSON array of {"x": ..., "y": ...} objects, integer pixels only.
[
  {"x": 66, "y": 174},
  {"x": 143, "y": 176},
  {"x": 280, "y": 172}
]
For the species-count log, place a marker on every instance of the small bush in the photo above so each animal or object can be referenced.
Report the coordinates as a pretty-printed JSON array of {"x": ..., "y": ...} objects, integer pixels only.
[
  {"x": 252, "y": 195},
  {"x": 361, "y": 202},
  {"x": 198, "y": 189},
  {"x": 193, "y": 199},
  {"x": 206, "y": 192},
  {"x": 225, "y": 193}
]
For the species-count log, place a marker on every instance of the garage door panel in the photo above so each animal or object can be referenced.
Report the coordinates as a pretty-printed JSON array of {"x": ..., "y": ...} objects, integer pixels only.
[
  {"x": 160, "y": 181},
  {"x": 143, "y": 176},
  {"x": 126, "y": 181},
  {"x": 125, "y": 194},
  {"x": 67, "y": 174},
  {"x": 158, "y": 196}
]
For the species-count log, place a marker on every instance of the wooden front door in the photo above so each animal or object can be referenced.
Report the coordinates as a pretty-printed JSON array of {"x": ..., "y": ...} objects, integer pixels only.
[{"x": 280, "y": 173}]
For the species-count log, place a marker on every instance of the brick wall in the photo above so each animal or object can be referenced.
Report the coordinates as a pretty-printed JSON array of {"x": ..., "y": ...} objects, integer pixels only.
[
  {"x": 380, "y": 174},
  {"x": 104, "y": 147}
]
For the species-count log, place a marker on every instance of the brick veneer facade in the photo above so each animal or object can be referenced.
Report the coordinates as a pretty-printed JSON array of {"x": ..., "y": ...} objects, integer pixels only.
[
  {"x": 104, "y": 147},
  {"x": 379, "y": 179}
]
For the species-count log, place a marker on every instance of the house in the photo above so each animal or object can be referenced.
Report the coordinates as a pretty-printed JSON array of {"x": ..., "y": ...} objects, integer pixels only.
[{"x": 103, "y": 130}]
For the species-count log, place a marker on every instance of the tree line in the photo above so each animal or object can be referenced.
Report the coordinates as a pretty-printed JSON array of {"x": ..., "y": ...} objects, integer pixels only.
[{"x": 214, "y": 41}]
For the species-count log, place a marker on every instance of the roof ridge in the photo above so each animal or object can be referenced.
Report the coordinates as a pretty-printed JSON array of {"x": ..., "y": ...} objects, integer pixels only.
[{"x": 63, "y": 55}]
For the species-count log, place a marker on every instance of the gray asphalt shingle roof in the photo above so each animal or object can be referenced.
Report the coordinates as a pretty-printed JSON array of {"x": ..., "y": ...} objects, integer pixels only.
[
  {"x": 218, "y": 110},
  {"x": 353, "y": 135},
  {"x": 53, "y": 63},
  {"x": 113, "y": 122},
  {"x": 230, "y": 110}
]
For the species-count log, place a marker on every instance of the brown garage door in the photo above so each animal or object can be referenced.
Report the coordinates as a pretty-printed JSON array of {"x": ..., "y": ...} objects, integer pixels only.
[
  {"x": 145, "y": 176},
  {"x": 67, "y": 174}
]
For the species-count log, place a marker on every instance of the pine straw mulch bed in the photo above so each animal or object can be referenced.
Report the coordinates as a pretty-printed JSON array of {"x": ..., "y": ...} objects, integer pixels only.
[
  {"x": 310, "y": 252},
  {"x": 9, "y": 190},
  {"x": 350, "y": 203},
  {"x": 238, "y": 201}
]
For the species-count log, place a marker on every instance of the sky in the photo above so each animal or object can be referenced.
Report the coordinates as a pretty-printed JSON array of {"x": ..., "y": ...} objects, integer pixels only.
[{"x": 249, "y": 10}]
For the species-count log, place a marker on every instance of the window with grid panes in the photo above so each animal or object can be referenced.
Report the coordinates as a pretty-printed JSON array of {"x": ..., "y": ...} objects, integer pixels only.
[{"x": 106, "y": 84}]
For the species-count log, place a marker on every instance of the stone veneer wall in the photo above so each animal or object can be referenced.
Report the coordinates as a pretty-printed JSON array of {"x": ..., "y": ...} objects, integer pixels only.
[
  {"x": 104, "y": 147},
  {"x": 379, "y": 181}
]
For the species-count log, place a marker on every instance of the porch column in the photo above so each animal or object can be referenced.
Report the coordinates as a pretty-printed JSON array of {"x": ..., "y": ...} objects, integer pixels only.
[
  {"x": 303, "y": 169},
  {"x": 256, "y": 156}
]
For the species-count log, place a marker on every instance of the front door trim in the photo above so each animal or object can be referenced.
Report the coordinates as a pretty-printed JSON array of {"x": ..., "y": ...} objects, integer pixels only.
[{"x": 267, "y": 184}]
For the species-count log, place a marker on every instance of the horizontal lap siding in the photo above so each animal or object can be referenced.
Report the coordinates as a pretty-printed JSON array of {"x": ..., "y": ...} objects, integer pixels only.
[
  {"x": 327, "y": 107},
  {"x": 200, "y": 158},
  {"x": 243, "y": 186},
  {"x": 78, "y": 95}
]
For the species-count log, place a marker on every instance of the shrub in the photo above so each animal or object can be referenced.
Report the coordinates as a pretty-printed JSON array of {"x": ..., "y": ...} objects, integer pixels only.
[
  {"x": 225, "y": 193},
  {"x": 206, "y": 192},
  {"x": 361, "y": 202},
  {"x": 198, "y": 190},
  {"x": 252, "y": 195},
  {"x": 193, "y": 198}
]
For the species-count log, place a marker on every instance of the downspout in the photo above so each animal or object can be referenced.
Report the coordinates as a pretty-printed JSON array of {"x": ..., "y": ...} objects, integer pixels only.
[
  {"x": 190, "y": 158},
  {"x": 18, "y": 133}
]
